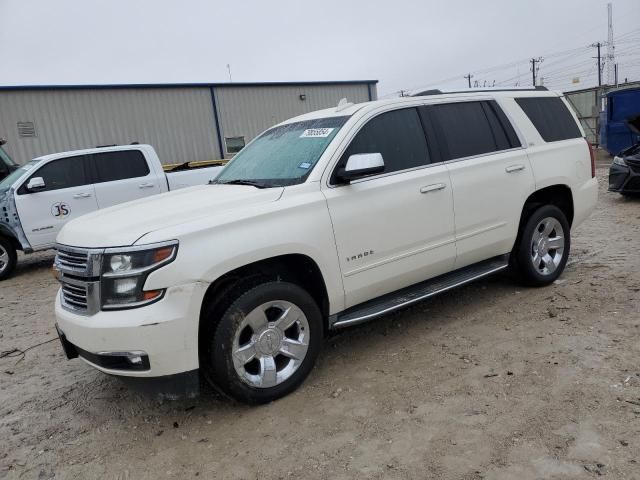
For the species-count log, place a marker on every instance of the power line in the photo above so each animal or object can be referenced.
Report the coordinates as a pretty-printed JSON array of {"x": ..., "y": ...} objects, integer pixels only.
[{"x": 632, "y": 36}]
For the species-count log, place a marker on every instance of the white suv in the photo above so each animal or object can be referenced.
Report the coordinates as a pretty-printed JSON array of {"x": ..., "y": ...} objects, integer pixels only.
[{"x": 327, "y": 220}]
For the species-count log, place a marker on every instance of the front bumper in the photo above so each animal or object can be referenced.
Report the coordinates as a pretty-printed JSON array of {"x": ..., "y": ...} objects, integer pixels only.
[
  {"x": 164, "y": 335},
  {"x": 624, "y": 178}
]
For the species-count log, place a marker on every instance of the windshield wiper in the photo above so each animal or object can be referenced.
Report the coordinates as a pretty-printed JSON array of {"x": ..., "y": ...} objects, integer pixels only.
[{"x": 252, "y": 183}]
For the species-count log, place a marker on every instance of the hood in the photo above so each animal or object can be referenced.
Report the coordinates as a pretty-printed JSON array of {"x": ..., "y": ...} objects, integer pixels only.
[
  {"x": 123, "y": 224},
  {"x": 634, "y": 124}
]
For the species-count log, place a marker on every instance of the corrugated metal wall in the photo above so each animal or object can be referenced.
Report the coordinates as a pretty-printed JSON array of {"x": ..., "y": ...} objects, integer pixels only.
[
  {"x": 178, "y": 122},
  {"x": 247, "y": 111}
]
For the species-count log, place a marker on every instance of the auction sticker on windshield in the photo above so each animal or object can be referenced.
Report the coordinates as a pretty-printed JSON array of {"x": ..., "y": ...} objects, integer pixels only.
[{"x": 317, "y": 132}]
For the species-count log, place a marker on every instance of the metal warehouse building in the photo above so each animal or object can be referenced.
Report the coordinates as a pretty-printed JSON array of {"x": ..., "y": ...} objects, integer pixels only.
[{"x": 184, "y": 122}]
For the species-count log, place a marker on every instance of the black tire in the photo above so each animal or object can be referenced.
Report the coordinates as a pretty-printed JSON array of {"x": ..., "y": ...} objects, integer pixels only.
[
  {"x": 221, "y": 334},
  {"x": 8, "y": 258},
  {"x": 522, "y": 257}
]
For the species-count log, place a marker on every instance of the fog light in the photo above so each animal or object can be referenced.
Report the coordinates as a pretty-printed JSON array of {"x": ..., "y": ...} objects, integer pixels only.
[{"x": 136, "y": 360}]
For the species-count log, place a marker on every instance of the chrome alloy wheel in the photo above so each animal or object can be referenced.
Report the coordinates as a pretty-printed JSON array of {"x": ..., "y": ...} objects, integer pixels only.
[
  {"x": 547, "y": 246},
  {"x": 270, "y": 344},
  {"x": 4, "y": 258}
]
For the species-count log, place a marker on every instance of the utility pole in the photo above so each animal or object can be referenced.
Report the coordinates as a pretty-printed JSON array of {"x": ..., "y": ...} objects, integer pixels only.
[
  {"x": 468, "y": 76},
  {"x": 535, "y": 66},
  {"x": 615, "y": 68},
  {"x": 229, "y": 68},
  {"x": 598, "y": 45}
]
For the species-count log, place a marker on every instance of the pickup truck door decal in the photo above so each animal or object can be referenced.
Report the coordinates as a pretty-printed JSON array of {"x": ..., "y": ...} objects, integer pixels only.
[{"x": 43, "y": 214}]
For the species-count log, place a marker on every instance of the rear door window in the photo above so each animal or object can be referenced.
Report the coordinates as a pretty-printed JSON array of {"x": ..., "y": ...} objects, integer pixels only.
[
  {"x": 397, "y": 135},
  {"x": 551, "y": 117},
  {"x": 465, "y": 130},
  {"x": 503, "y": 132},
  {"x": 119, "y": 165}
]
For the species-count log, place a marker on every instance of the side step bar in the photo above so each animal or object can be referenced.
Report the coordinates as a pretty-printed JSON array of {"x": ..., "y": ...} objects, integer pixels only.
[{"x": 415, "y": 293}]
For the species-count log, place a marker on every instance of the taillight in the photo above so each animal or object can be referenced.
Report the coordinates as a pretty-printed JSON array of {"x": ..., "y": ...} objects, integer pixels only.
[{"x": 593, "y": 158}]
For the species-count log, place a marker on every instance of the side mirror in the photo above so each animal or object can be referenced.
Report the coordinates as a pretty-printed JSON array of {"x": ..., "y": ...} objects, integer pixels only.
[
  {"x": 361, "y": 165},
  {"x": 35, "y": 184}
]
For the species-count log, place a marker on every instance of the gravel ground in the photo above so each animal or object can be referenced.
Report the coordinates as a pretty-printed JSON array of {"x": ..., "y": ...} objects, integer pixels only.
[{"x": 490, "y": 381}]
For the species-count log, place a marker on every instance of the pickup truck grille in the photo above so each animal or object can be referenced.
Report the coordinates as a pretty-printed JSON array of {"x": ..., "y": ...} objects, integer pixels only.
[{"x": 78, "y": 271}]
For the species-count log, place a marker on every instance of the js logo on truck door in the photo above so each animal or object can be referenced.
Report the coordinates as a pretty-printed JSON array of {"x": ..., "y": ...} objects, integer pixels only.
[{"x": 60, "y": 210}]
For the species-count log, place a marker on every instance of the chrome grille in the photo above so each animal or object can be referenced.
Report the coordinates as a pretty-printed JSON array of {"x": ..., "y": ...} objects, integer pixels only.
[
  {"x": 78, "y": 272},
  {"x": 73, "y": 260},
  {"x": 75, "y": 296}
]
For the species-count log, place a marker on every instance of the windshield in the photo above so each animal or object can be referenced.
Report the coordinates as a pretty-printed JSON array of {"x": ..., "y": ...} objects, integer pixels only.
[
  {"x": 5, "y": 158},
  {"x": 283, "y": 155},
  {"x": 16, "y": 174}
]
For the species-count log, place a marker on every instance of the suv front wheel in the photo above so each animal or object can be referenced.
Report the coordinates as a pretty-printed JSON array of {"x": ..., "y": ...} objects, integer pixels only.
[
  {"x": 542, "y": 250},
  {"x": 265, "y": 343}
]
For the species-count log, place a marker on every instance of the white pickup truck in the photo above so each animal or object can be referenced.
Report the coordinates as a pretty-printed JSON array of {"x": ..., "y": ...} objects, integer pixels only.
[
  {"x": 38, "y": 198},
  {"x": 324, "y": 221}
]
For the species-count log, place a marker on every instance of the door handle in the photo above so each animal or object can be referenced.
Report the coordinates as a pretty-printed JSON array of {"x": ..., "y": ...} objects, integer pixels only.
[
  {"x": 514, "y": 168},
  {"x": 146, "y": 185},
  {"x": 433, "y": 188},
  {"x": 81, "y": 195}
]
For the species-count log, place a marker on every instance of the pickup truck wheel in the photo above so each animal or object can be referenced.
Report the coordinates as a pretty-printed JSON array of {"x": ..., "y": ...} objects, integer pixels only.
[
  {"x": 543, "y": 247},
  {"x": 266, "y": 343},
  {"x": 8, "y": 258}
]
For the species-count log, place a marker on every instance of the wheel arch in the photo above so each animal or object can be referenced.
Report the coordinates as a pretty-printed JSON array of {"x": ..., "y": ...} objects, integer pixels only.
[
  {"x": 559, "y": 195},
  {"x": 8, "y": 234},
  {"x": 295, "y": 268}
]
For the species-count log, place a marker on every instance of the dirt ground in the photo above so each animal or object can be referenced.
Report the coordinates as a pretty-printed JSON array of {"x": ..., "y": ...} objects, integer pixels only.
[{"x": 491, "y": 381}]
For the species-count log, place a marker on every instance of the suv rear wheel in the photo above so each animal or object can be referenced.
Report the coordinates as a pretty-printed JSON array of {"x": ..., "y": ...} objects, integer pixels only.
[
  {"x": 8, "y": 258},
  {"x": 542, "y": 250},
  {"x": 265, "y": 343}
]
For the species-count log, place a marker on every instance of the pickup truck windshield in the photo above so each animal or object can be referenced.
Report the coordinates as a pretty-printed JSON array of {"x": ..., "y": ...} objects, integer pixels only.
[
  {"x": 283, "y": 155},
  {"x": 15, "y": 175}
]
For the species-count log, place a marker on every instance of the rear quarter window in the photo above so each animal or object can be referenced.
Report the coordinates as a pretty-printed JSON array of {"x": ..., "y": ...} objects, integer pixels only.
[{"x": 551, "y": 117}]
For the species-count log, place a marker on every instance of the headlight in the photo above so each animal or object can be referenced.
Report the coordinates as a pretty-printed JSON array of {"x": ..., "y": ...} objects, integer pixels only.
[
  {"x": 619, "y": 161},
  {"x": 124, "y": 272}
]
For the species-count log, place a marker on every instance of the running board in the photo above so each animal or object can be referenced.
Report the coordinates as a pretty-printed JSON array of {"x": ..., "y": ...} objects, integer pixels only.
[{"x": 415, "y": 293}]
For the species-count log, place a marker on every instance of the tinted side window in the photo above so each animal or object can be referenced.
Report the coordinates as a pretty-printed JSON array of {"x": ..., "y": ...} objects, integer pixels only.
[
  {"x": 112, "y": 166},
  {"x": 397, "y": 135},
  {"x": 514, "y": 141},
  {"x": 63, "y": 173},
  {"x": 551, "y": 118},
  {"x": 464, "y": 129},
  {"x": 503, "y": 133}
]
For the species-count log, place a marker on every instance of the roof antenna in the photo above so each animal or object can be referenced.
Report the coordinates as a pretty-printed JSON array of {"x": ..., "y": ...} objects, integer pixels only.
[{"x": 343, "y": 104}]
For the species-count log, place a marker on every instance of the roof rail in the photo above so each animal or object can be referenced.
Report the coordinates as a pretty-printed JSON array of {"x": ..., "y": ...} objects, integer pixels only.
[{"x": 437, "y": 91}]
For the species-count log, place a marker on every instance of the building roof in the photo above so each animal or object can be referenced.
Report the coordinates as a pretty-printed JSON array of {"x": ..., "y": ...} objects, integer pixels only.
[{"x": 186, "y": 85}]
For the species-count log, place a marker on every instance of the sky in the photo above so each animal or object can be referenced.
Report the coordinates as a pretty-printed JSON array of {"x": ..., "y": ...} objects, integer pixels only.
[{"x": 404, "y": 44}]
